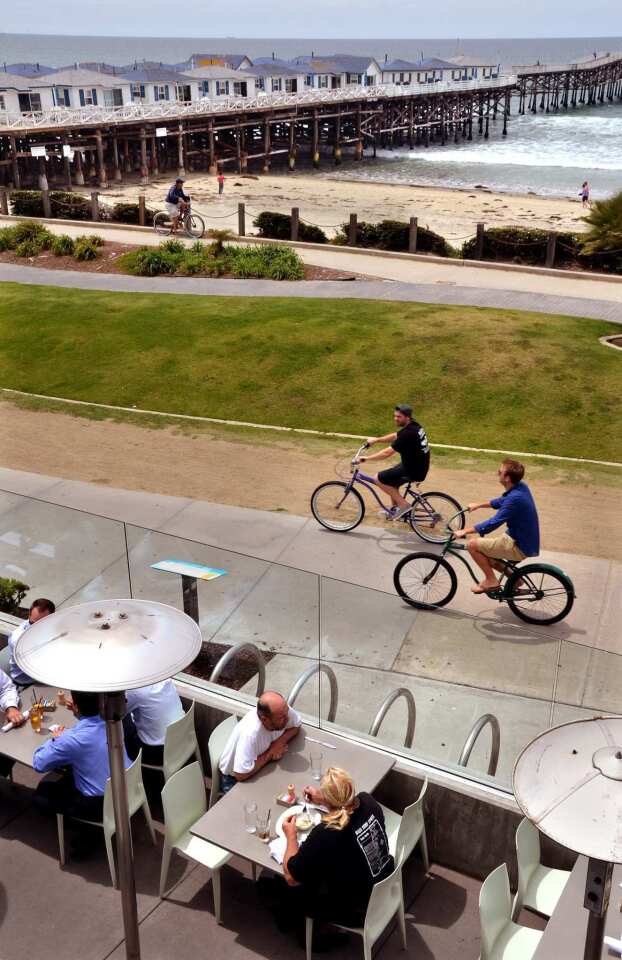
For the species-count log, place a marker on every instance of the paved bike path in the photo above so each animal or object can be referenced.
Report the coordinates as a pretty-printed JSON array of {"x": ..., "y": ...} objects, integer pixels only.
[{"x": 445, "y": 293}]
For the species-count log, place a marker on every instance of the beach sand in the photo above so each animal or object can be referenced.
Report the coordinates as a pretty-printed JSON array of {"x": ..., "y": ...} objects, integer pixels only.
[{"x": 329, "y": 202}]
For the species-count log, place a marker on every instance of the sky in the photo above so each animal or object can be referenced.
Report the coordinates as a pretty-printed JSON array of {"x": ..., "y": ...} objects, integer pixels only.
[{"x": 320, "y": 18}]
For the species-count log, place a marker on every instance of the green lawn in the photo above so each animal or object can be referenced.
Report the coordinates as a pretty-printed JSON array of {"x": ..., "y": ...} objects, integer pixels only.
[{"x": 479, "y": 377}]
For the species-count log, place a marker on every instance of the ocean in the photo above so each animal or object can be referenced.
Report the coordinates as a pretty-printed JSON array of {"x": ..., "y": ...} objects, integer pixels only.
[{"x": 546, "y": 154}]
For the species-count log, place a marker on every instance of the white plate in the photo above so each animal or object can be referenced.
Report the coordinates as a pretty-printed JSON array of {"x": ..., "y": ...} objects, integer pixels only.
[{"x": 297, "y": 808}]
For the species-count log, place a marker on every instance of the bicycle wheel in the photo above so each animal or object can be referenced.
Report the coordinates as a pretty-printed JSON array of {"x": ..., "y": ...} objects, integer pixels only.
[
  {"x": 194, "y": 226},
  {"x": 538, "y": 593},
  {"x": 431, "y": 514},
  {"x": 336, "y": 507},
  {"x": 162, "y": 223},
  {"x": 425, "y": 580}
]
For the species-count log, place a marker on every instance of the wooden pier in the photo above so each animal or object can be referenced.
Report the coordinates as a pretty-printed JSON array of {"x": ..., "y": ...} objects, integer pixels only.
[
  {"x": 99, "y": 147},
  {"x": 558, "y": 86}
]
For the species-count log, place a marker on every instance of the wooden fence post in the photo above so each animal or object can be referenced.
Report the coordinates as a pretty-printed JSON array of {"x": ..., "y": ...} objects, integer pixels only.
[
  {"x": 241, "y": 220},
  {"x": 94, "y": 205},
  {"x": 295, "y": 223},
  {"x": 47, "y": 206},
  {"x": 479, "y": 241},
  {"x": 141, "y": 210},
  {"x": 551, "y": 243},
  {"x": 352, "y": 230},
  {"x": 4, "y": 201},
  {"x": 412, "y": 235}
]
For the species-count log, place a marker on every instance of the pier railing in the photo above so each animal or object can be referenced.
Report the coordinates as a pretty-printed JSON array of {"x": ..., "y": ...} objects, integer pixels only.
[
  {"x": 590, "y": 64},
  {"x": 76, "y": 116}
]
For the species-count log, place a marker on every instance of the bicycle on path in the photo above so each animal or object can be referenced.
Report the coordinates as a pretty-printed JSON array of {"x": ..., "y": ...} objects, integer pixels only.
[
  {"x": 536, "y": 592},
  {"x": 338, "y": 505},
  {"x": 193, "y": 225}
]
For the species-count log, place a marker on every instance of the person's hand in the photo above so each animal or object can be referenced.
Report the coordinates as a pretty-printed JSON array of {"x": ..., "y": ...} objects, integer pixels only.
[
  {"x": 458, "y": 534},
  {"x": 15, "y": 716},
  {"x": 278, "y": 750},
  {"x": 56, "y": 733},
  {"x": 472, "y": 506},
  {"x": 313, "y": 795},
  {"x": 371, "y": 440},
  {"x": 289, "y": 827}
]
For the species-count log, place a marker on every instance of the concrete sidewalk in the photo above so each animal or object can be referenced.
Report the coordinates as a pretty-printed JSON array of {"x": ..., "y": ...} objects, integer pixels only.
[
  {"x": 453, "y": 282},
  {"x": 301, "y": 593}
]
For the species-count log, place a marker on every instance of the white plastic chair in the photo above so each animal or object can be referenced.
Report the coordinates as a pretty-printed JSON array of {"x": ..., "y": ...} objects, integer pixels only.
[
  {"x": 539, "y": 888},
  {"x": 502, "y": 939},
  {"x": 180, "y": 743},
  {"x": 184, "y": 801},
  {"x": 385, "y": 902},
  {"x": 406, "y": 831},
  {"x": 137, "y": 800},
  {"x": 217, "y": 742}
]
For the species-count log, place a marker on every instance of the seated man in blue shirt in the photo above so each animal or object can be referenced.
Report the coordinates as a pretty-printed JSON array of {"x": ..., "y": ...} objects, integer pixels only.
[
  {"x": 84, "y": 749},
  {"x": 517, "y": 509},
  {"x": 176, "y": 203}
]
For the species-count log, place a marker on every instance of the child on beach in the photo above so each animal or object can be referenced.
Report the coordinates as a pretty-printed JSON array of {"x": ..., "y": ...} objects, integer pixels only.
[
  {"x": 585, "y": 194},
  {"x": 221, "y": 183}
]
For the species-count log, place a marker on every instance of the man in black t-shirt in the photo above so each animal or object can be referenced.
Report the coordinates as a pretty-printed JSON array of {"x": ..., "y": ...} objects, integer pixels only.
[
  {"x": 337, "y": 869},
  {"x": 411, "y": 442}
]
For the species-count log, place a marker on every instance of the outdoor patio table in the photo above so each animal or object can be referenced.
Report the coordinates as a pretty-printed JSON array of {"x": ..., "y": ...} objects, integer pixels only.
[
  {"x": 20, "y": 743},
  {"x": 224, "y": 823},
  {"x": 564, "y": 936}
]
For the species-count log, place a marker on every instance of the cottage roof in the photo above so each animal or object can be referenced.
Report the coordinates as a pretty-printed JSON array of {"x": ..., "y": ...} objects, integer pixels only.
[
  {"x": 434, "y": 63},
  {"x": 218, "y": 73},
  {"x": 70, "y": 76},
  {"x": 399, "y": 65},
  {"x": 464, "y": 60},
  {"x": 232, "y": 60},
  {"x": 335, "y": 64},
  {"x": 273, "y": 69},
  {"x": 11, "y": 81},
  {"x": 157, "y": 74},
  {"x": 27, "y": 69}
]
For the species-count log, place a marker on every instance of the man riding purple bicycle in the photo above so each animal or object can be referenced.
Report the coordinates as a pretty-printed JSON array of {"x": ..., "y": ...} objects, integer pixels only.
[{"x": 411, "y": 442}]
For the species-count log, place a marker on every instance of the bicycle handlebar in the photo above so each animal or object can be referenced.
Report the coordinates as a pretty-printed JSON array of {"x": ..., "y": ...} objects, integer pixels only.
[
  {"x": 354, "y": 460},
  {"x": 460, "y": 513}
]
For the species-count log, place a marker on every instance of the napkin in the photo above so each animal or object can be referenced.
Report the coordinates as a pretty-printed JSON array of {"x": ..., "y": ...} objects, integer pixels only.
[
  {"x": 9, "y": 726},
  {"x": 277, "y": 849}
]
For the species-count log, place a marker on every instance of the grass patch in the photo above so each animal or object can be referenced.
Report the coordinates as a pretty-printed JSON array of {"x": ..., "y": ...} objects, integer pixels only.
[
  {"x": 268, "y": 261},
  {"x": 479, "y": 377}
]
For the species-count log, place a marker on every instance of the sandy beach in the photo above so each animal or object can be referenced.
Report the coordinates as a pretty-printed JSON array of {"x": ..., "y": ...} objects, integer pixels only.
[{"x": 329, "y": 202}]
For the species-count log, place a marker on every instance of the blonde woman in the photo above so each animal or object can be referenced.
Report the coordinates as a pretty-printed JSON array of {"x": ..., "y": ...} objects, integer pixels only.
[{"x": 336, "y": 867}]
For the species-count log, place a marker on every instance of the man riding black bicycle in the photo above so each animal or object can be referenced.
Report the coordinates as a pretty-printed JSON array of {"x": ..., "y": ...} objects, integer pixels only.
[
  {"x": 177, "y": 203},
  {"x": 411, "y": 442}
]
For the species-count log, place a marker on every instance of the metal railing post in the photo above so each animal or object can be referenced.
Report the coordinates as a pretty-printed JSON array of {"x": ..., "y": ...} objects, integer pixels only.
[
  {"x": 231, "y": 653},
  {"x": 386, "y": 705},
  {"x": 469, "y": 743},
  {"x": 334, "y": 689}
]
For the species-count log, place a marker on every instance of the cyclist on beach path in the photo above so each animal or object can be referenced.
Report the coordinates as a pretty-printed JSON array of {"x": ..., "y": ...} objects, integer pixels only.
[
  {"x": 516, "y": 508},
  {"x": 176, "y": 203},
  {"x": 411, "y": 442}
]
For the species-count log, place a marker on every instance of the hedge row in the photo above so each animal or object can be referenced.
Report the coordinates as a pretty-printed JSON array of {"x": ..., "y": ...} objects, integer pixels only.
[
  {"x": 73, "y": 206},
  {"x": 527, "y": 246}
]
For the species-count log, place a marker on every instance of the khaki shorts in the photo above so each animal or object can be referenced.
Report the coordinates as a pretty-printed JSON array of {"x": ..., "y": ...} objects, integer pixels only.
[{"x": 501, "y": 547}]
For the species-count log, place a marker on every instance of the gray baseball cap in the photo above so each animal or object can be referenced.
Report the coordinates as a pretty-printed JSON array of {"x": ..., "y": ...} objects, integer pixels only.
[{"x": 405, "y": 409}]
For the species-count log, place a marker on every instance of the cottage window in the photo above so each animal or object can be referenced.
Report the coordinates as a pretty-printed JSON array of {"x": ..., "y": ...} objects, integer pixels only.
[
  {"x": 113, "y": 98},
  {"x": 61, "y": 97},
  {"x": 138, "y": 91},
  {"x": 239, "y": 88},
  {"x": 260, "y": 83},
  {"x": 309, "y": 80},
  {"x": 291, "y": 86},
  {"x": 322, "y": 80},
  {"x": 88, "y": 97},
  {"x": 182, "y": 92},
  {"x": 277, "y": 84},
  {"x": 205, "y": 88},
  {"x": 160, "y": 92},
  {"x": 222, "y": 88},
  {"x": 2, "y": 102}
]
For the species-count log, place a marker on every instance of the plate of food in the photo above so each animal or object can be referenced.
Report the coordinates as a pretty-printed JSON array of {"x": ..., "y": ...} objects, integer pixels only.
[{"x": 306, "y": 819}]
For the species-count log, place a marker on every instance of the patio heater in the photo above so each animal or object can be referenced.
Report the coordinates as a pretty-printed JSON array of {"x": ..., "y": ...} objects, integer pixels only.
[
  {"x": 568, "y": 782},
  {"x": 107, "y": 647}
]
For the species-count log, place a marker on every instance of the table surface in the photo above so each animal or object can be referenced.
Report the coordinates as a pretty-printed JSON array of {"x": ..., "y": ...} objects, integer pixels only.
[
  {"x": 20, "y": 743},
  {"x": 224, "y": 823},
  {"x": 565, "y": 932}
]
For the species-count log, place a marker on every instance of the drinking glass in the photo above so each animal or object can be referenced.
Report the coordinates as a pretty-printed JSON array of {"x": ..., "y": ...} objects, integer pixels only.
[
  {"x": 250, "y": 817},
  {"x": 263, "y": 825},
  {"x": 316, "y": 764},
  {"x": 36, "y": 716}
]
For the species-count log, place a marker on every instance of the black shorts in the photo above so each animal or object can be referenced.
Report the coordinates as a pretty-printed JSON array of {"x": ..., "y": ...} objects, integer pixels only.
[{"x": 397, "y": 476}]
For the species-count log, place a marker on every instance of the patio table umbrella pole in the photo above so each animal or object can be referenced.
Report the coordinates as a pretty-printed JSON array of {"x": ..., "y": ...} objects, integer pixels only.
[
  {"x": 108, "y": 647},
  {"x": 114, "y": 710}
]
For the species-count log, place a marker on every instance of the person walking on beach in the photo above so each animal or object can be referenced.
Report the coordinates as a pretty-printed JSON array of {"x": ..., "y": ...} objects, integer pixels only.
[
  {"x": 221, "y": 183},
  {"x": 585, "y": 194}
]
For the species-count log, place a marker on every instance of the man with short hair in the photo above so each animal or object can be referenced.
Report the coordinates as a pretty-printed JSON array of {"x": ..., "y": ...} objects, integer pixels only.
[
  {"x": 9, "y": 713},
  {"x": 84, "y": 749},
  {"x": 38, "y": 609},
  {"x": 517, "y": 509},
  {"x": 261, "y": 736},
  {"x": 411, "y": 442},
  {"x": 176, "y": 203},
  {"x": 152, "y": 709}
]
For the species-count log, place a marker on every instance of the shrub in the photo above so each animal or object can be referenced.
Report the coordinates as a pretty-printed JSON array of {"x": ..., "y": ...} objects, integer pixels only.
[
  {"x": 26, "y": 203},
  {"x": 128, "y": 213},
  {"x": 29, "y": 248},
  {"x": 510, "y": 244},
  {"x": 271, "y": 262},
  {"x": 85, "y": 248},
  {"x": 29, "y": 230},
  {"x": 92, "y": 238},
  {"x": 7, "y": 239},
  {"x": 393, "y": 235},
  {"x": 194, "y": 263},
  {"x": 173, "y": 246},
  {"x": 12, "y": 592},
  {"x": 278, "y": 226},
  {"x": 64, "y": 205},
  {"x": 148, "y": 262},
  {"x": 62, "y": 246}
]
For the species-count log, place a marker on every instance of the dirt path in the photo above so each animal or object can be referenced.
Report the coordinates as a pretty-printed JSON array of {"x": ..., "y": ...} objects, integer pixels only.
[{"x": 269, "y": 472}]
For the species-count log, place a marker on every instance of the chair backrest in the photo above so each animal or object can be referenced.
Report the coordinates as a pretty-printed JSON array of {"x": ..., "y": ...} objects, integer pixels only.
[
  {"x": 135, "y": 792},
  {"x": 527, "y": 854},
  {"x": 411, "y": 828},
  {"x": 217, "y": 742},
  {"x": 180, "y": 743},
  {"x": 183, "y": 801},
  {"x": 495, "y": 907},
  {"x": 383, "y": 903}
]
